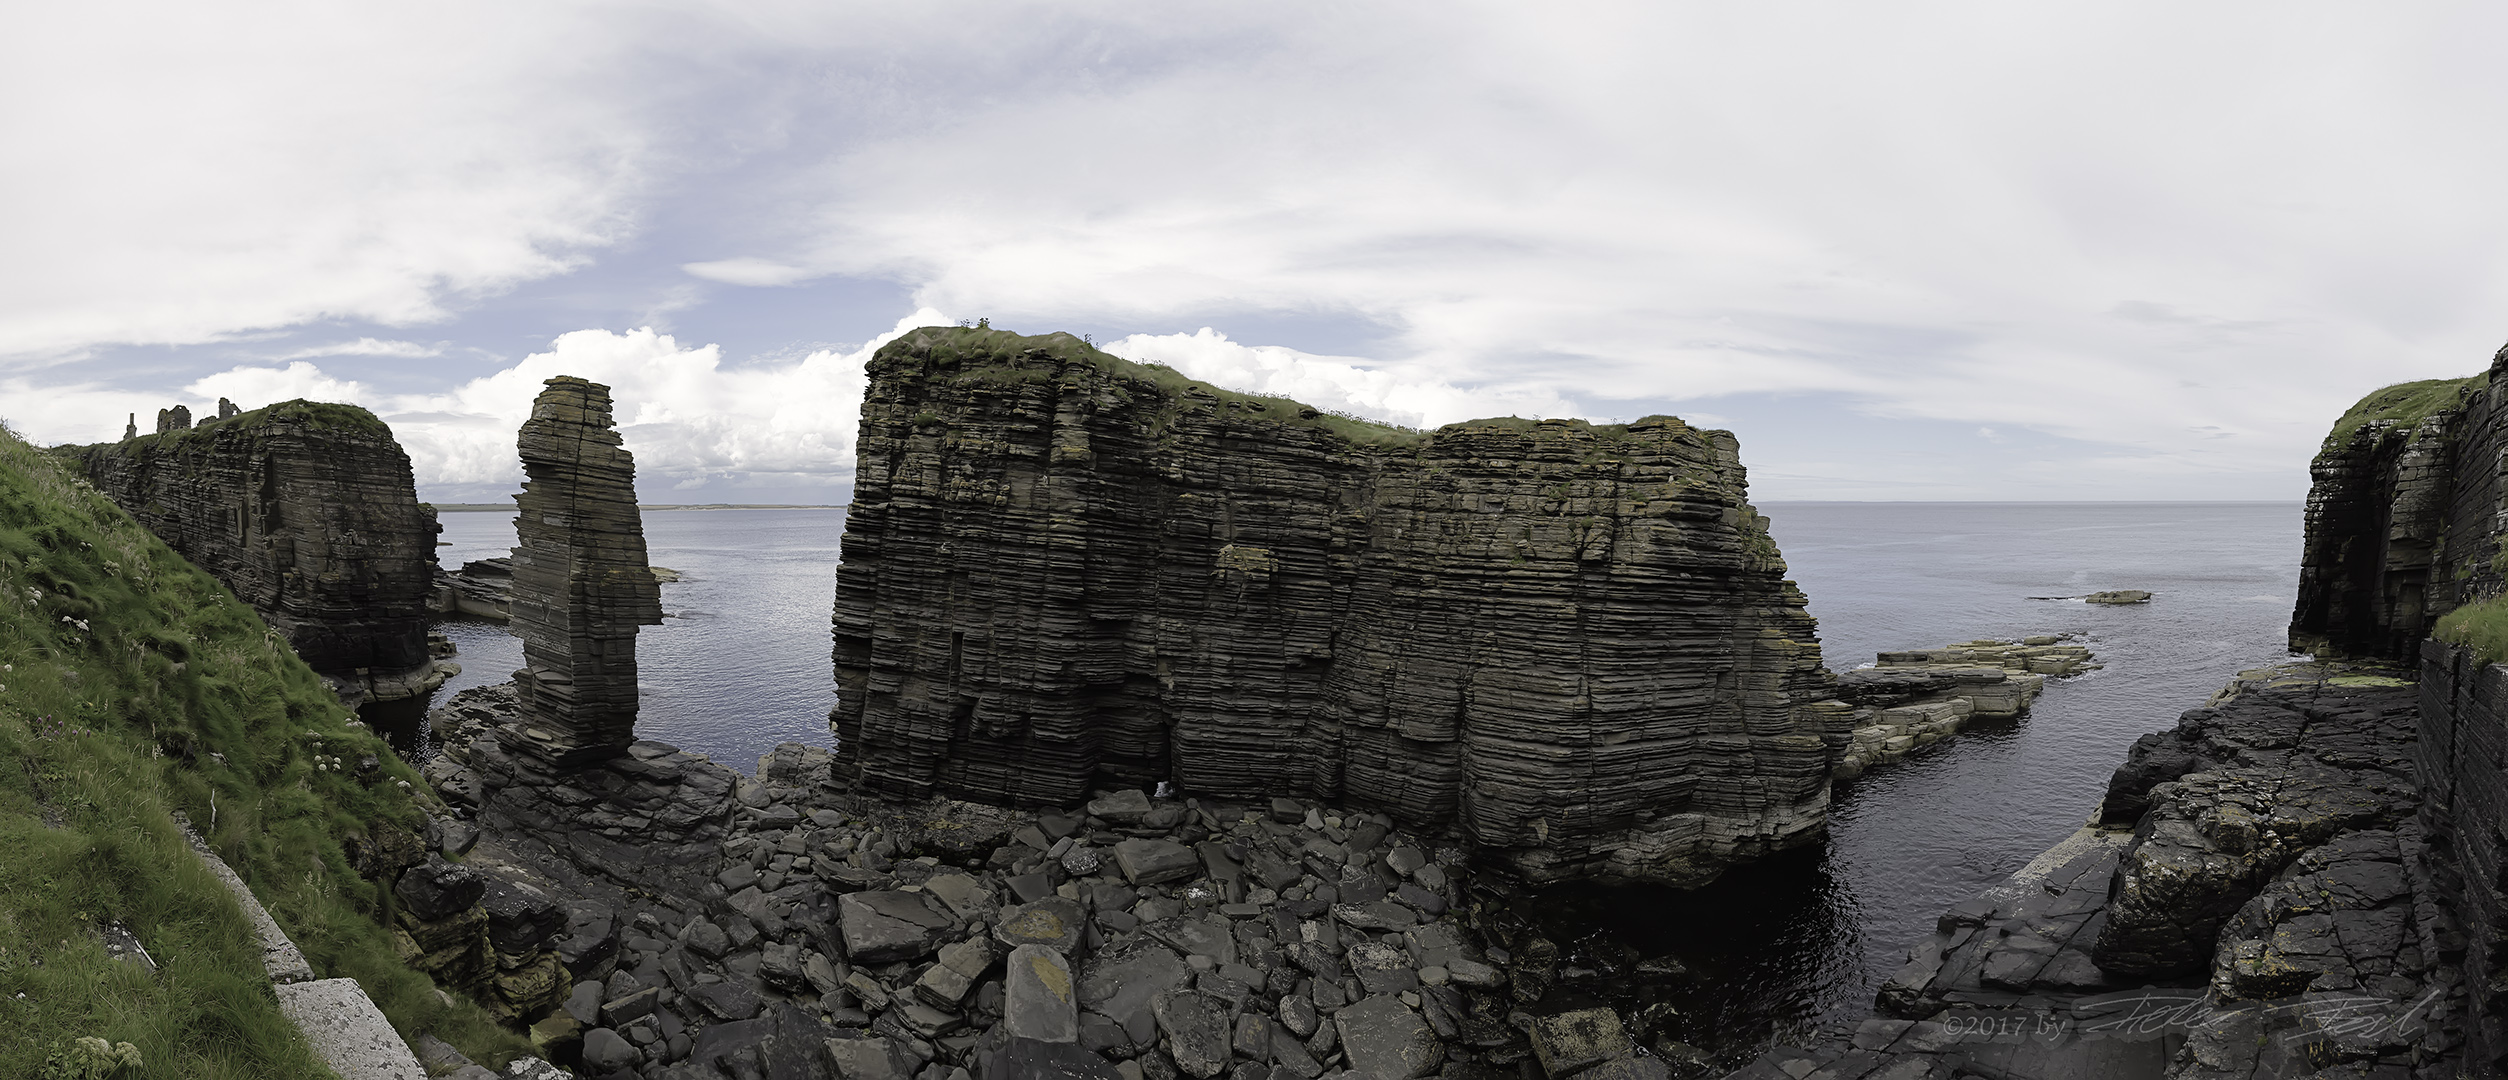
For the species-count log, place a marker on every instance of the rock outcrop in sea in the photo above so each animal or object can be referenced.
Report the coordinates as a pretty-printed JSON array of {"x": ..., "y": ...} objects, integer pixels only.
[
  {"x": 581, "y": 583},
  {"x": 1911, "y": 699},
  {"x": 309, "y": 513},
  {"x": 1572, "y": 645}
]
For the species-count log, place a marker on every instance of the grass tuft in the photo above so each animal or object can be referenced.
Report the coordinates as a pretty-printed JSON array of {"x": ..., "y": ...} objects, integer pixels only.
[
  {"x": 133, "y": 685},
  {"x": 2481, "y": 627},
  {"x": 2403, "y": 403}
]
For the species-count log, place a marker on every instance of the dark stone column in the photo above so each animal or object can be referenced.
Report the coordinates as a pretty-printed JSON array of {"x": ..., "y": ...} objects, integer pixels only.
[{"x": 581, "y": 582}]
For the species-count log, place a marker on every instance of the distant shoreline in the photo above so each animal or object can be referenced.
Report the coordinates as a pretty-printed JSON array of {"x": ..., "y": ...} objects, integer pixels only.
[{"x": 479, "y": 508}]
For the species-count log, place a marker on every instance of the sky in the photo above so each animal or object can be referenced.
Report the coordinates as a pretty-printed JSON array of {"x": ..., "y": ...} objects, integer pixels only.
[{"x": 1914, "y": 251}]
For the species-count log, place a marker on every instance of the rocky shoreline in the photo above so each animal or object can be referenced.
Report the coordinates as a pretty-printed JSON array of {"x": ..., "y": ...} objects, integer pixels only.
[
  {"x": 2254, "y": 899},
  {"x": 1912, "y": 699},
  {"x": 707, "y": 921}
]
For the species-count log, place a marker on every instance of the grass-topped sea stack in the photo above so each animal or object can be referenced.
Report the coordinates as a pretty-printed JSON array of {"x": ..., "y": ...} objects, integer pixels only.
[
  {"x": 581, "y": 582},
  {"x": 1572, "y": 644},
  {"x": 309, "y": 513}
]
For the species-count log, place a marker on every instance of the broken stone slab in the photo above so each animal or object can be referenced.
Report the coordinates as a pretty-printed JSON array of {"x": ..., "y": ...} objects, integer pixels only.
[
  {"x": 889, "y": 925},
  {"x": 1383, "y": 1037},
  {"x": 1569, "y": 1041},
  {"x": 347, "y": 1031},
  {"x": 1153, "y": 862},
  {"x": 1197, "y": 1030},
  {"x": 1056, "y": 922},
  {"x": 1039, "y": 996}
]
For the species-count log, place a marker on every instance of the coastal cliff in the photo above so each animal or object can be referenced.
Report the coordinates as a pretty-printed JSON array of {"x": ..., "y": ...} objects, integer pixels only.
[
  {"x": 309, "y": 514},
  {"x": 1572, "y": 643}
]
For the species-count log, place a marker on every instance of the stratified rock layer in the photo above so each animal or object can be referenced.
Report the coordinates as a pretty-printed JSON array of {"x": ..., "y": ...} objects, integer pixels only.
[
  {"x": 581, "y": 583},
  {"x": 1573, "y": 643},
  {"x": 307, "y": 511}
]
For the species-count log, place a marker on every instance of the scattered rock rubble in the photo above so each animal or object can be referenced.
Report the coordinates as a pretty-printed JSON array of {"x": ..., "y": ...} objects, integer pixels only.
[
  {"x": 1913, "y": 699},
  {"x": 2254, "y": 900},
  {"x": 717, "y": 926}
]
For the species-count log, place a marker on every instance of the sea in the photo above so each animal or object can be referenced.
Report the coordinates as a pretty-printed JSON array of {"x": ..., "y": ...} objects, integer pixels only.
[{"x": 1785, "y": 949}]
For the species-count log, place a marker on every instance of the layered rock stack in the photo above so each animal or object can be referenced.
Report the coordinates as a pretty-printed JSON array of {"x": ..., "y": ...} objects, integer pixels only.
[
  {"x": 309, "y": 513},
  {"x": 1912, "y": 699},
  {"x": 581, "y": 582},
  {"x": 1572, "y": 643}
]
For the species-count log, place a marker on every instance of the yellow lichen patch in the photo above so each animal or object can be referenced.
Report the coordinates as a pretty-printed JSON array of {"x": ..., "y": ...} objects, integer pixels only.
[
  {"x": 2365, "y": 680},
  {"x": 1056, "y": 980}
]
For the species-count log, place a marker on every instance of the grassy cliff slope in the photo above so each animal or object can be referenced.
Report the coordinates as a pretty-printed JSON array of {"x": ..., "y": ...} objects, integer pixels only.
[{"x": 132, "y": 685}]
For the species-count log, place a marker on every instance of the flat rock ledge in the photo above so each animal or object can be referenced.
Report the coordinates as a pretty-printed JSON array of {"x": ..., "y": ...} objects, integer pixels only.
[
  {"x": 719, "y": 926},
  {"x": 2254, "y": 900},
  {"x": 1911, "y": 699}
]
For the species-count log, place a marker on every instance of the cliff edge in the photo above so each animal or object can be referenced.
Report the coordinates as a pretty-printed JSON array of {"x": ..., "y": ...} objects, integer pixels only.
[
  {"x": 1573, "y": 644},
  {"x": 308, "y": 512}
]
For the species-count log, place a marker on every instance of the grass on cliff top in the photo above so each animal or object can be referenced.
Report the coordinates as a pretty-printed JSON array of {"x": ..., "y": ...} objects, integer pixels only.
[
  {"x": 982, "y": 345},
  {"x": 318, "y": 415},
  {"x": 118, "y": 661},
  {"x": 2403, "y": 403},
  {"x": 2481, "y": 627}
]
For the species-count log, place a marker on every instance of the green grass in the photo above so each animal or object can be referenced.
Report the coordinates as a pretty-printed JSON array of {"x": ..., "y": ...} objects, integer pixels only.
[
  {"x": 132, "y": 684},
  {"x": 2481, "y": 627},
  {"x": 2403, "y": 403}
]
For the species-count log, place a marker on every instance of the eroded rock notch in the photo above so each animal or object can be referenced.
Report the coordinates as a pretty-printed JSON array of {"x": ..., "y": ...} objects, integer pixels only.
[
  {"x": 581, "y": 582},
  {"x": 309, "y": 513},
  {"x": 1574, "y": 644}
]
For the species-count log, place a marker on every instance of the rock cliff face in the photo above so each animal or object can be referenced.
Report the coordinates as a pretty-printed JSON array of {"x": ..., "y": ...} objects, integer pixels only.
[
  {"x": 308, "y": 512},
  {"x": 581, "y": 583},
  {"x": 1573, "y": 644},
  {"x": 2396, "y": 533}
]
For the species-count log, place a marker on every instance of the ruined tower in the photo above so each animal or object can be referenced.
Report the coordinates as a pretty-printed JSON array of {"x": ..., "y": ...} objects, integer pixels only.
[{"x": 581, "y": 582}]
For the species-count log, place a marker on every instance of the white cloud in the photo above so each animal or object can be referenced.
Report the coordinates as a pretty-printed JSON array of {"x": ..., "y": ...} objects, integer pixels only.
[
  {"x": 1339, "y": 383},
  {"x": 747, "y": 272},
  {"x": 366, "y": 346},
  {"x": 690, "y": 421}
]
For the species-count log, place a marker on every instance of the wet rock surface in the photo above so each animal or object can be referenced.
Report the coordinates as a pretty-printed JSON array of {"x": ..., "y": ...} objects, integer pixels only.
[
  {"x": 1911, "y": 699},
  {"x": 1064, "y": 571},
  {"x": 725, "y": 924},
  {"x": 581, "y": 582},
  {"x": 310, "y": 514},
  {"x": 2257, "y": 900}
]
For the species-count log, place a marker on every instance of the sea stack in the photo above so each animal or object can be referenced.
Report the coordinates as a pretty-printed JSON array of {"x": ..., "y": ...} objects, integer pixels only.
[
  {"x": 1570, "y": 645},
  {"x": 581, "y": 582}
]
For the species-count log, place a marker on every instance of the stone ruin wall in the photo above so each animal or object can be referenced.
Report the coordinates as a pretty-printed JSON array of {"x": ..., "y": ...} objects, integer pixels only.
[
  {"x": 1576, "y": 645},
  {"x": 307, "y": 511}
]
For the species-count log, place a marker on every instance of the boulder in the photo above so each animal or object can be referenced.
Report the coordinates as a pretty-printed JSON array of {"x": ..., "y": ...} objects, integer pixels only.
[
  {"x": 1054, "y": 923},
  {"x": 1569, "y": 1041},
  {"x": 1385, "y": 1038},
  {"x": 889, "y": 925}
]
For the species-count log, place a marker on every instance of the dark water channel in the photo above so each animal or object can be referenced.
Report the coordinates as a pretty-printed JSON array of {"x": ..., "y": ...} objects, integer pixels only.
[{"x": 1780, "y": 949}]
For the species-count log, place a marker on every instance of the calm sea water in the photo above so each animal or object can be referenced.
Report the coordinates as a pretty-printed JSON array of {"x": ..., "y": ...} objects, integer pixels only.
[{"x": 740, "y": 663}]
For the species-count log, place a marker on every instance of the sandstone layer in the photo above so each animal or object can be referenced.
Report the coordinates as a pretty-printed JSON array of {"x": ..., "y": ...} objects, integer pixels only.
[
  {"x": 309, "y": 513},
  {"x": 581, "y": 584},
  {"x": 1573, "y": 644}
]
